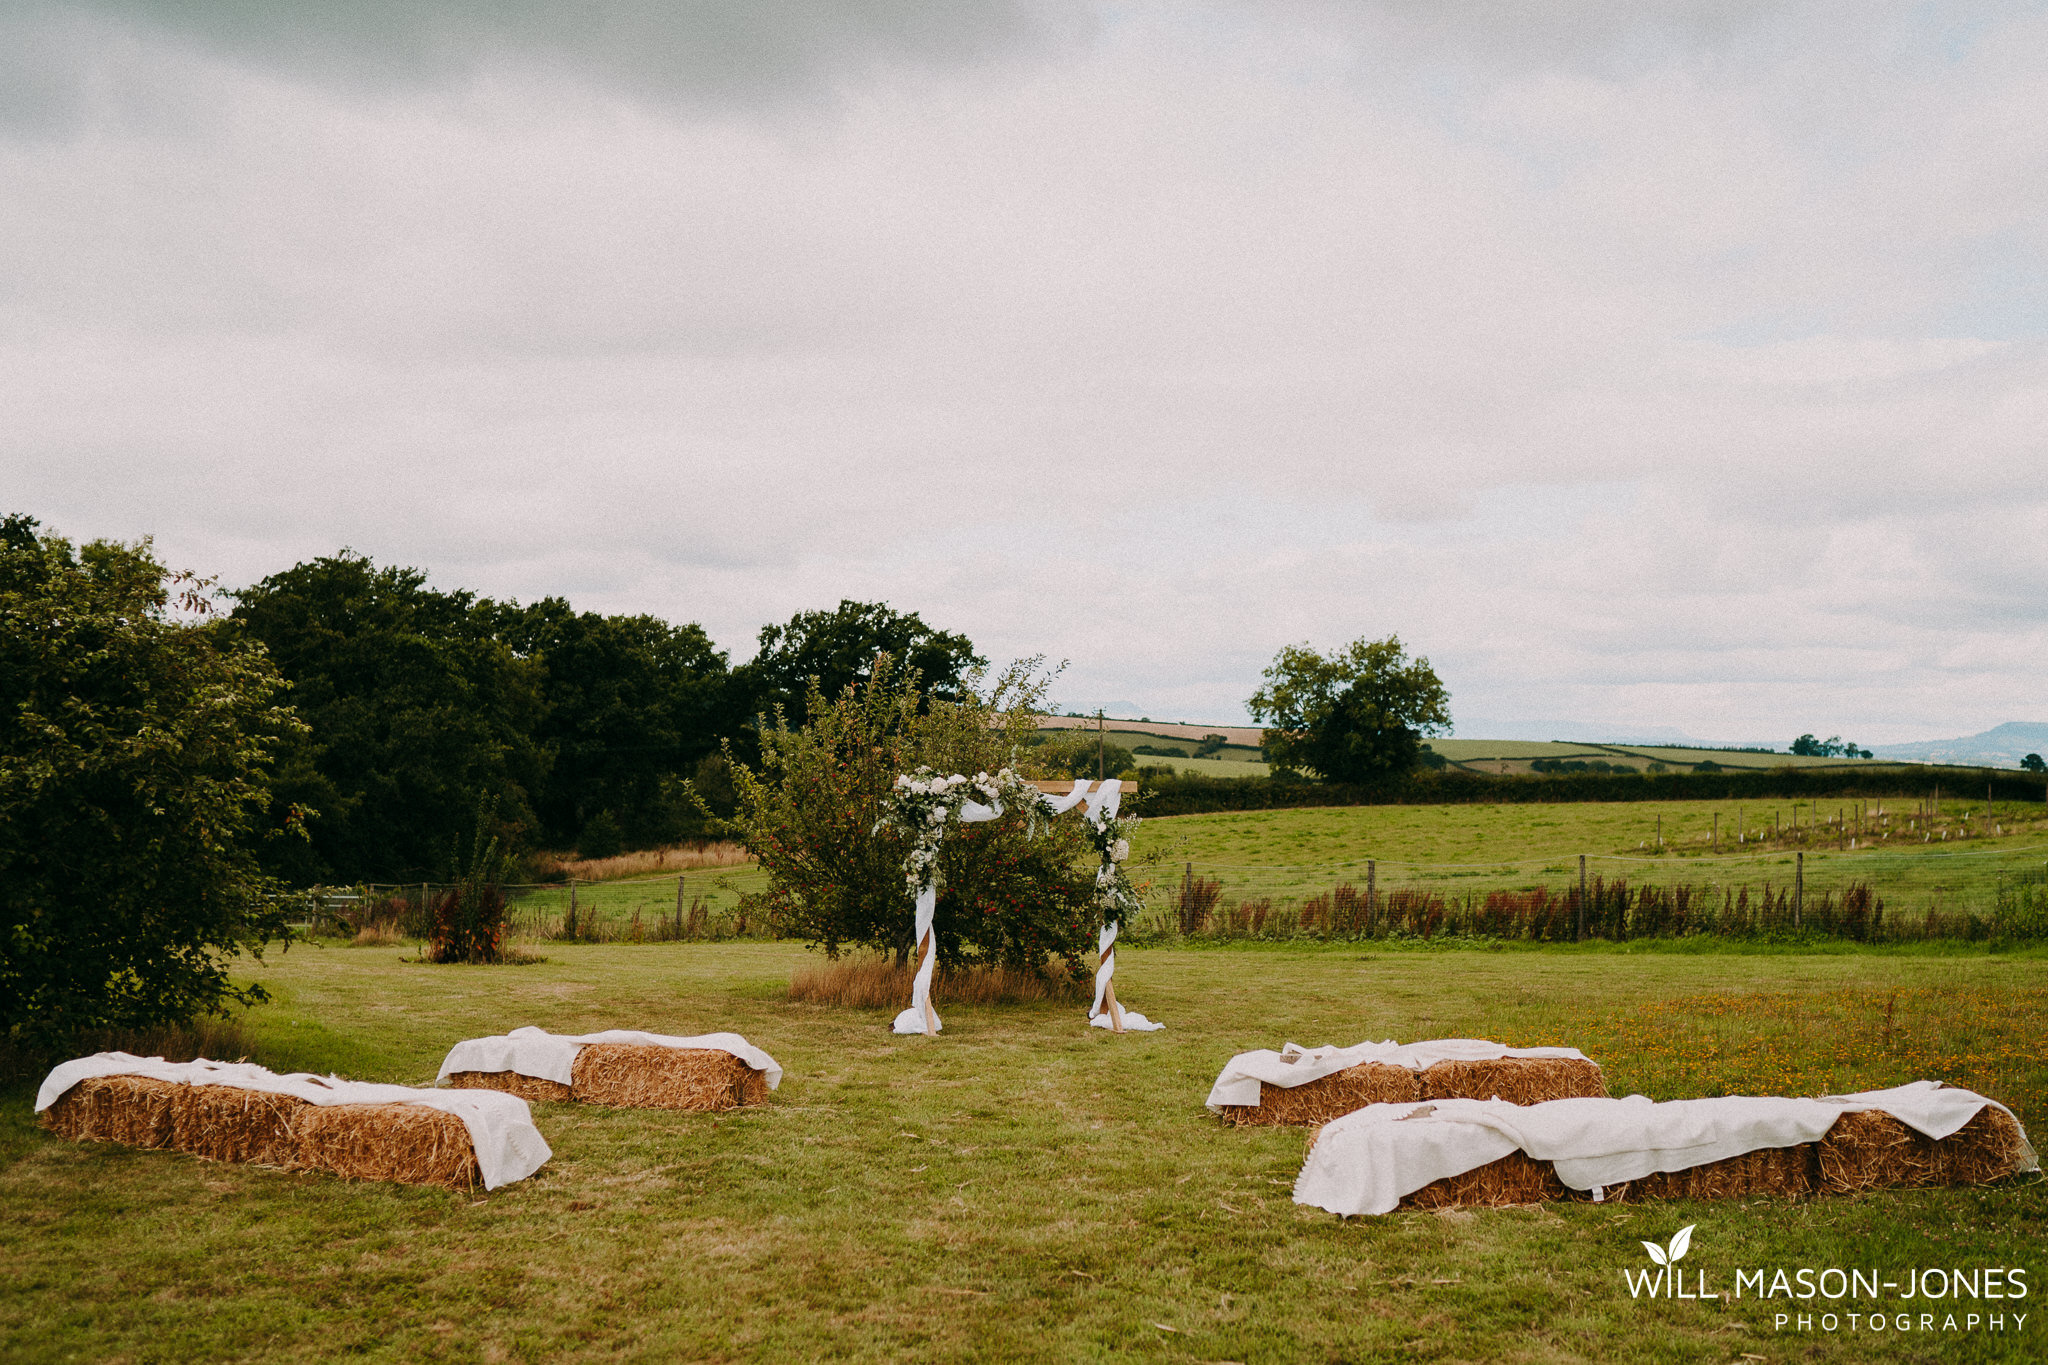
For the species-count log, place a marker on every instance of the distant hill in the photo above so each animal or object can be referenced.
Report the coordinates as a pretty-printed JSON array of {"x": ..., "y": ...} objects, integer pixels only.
[{"x": 2002, "y": 746}]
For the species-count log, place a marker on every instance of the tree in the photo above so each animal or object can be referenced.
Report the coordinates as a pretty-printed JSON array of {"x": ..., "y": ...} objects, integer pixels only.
[
  {"x": 630, "y": 705},
  {"x": 1355, "y": 715},
  {"x": 416, "y": 710},
  {"x": 812, "y": 814},
  {"x": 1831, "y": 747},
  {"x": 2033, "y": 764},
  {"x": 134, "y": 752},
  {"x": 838, "y": 648}
]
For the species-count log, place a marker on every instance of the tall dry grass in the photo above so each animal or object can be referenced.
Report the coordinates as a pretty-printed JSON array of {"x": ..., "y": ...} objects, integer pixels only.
[
  {"x": 866, "y": 981},
  {"x": 216, "y": 1039},
  {"x": 647, "y": 862}
]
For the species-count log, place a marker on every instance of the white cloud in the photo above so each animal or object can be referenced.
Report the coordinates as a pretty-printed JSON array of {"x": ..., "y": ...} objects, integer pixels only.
[{"x": 1639, "y": 372}]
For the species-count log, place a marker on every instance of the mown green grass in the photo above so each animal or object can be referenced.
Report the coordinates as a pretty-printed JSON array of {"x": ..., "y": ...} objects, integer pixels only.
[
  {"x": 1486, "y": 835},
  {"x": 1023, "y": 1188},
  {"x": 1460, "y": 849}
]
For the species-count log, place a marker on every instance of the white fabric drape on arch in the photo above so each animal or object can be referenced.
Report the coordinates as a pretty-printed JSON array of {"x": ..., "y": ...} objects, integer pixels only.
[
  {"x": 1102, "y": 799},
  {"x": 921, "y": 1017}
]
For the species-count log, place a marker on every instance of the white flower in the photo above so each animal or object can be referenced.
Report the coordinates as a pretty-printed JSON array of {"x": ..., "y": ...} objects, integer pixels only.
[{"x": 1120, "y": 850}]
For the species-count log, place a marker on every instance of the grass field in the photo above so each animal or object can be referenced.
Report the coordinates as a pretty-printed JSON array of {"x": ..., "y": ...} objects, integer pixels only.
[
  {"x": 1233, "y": 760},
  {"x": 1955, "y": 861},
  {"x": 1242, "y": 757},
  {"x": 1515, "y": 756},
  {"x": 1023, "y": 1188}
]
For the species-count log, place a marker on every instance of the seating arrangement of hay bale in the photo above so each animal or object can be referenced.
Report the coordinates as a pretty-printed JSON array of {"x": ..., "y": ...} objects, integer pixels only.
[
  {"x": 241, "y": 1113},
  {"x": 620, "y": 1067},
  {"x": 1493, "y": 1154},
  {"x": 1871, "y": 1150},
  {"x": 1312, "y": 1086}
]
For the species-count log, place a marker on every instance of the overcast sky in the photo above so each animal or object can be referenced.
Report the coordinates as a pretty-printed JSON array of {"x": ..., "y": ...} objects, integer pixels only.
[{"x": 1682, "y": 372}]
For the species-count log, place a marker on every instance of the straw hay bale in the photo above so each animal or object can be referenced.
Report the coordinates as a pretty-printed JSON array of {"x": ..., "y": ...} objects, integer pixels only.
[
  {"x": 1783, "y": 1172},
  {"x": 128, "y": 1109},
  {"x": 1517, "y": 1080},
  {"x": 1867, "y": 1150},
  {"x": 404, "y": 1142},
  {"x": 1328, "y": 1097},
  {"x": 646, "y": 1076},
  {"x": 1871, "y": 1150},
  {"x": 532, "y": 1089},
  {"x": 409, "y": 1143},
  {"x": 1514, "y": 1179},
  {"x": 218, "y": 1122}
]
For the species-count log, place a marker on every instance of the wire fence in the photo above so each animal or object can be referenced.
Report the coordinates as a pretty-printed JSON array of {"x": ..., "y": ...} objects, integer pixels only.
[
  {"x": 702, "y": 906},
  {"x": 1873, "y": 895}
]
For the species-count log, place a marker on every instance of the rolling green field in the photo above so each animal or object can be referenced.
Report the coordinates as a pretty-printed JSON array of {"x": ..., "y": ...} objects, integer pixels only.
[
  {"x": 1515, "y": 756},
  {"x": 1476, "y": 755},
  {"x": 1956, "y": 861},
  {"x": 1022, "y": 1188},
  {"x": 1233, "y": 760},
  {"x": 1524, "y": 832}
]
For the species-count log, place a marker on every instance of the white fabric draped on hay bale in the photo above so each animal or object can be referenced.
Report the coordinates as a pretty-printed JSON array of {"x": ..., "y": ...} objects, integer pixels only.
[
  {"x": 552, "y": 1056},
  {"x": 508, "y": 1146},
  {"x": 1366, "y": 1161},
  {"x": 1238, "y": 1083}
]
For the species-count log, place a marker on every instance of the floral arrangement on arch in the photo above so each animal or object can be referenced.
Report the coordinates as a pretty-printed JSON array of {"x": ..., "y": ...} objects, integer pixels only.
[
  {"x": 1113, "y": 889},
  {"x": 924, "y": 802}
]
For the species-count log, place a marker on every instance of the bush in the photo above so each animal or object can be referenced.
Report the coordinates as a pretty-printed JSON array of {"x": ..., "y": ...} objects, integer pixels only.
[
  {"x": 133, "y": 756},
  {"x": 1008, "y": 895},
  {"x": 469, "y": 918}
]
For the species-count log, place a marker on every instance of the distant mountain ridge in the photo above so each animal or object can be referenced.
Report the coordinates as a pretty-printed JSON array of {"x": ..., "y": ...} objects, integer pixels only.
[{"x": 2002, "y": 746}]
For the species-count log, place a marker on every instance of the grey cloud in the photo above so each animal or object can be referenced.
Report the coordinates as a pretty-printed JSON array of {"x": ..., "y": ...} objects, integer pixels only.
[{"x": 700, "y": 53}]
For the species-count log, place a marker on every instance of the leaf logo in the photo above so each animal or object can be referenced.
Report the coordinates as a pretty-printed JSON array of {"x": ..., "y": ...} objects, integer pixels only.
[{"x": 1680, "y": 1240}]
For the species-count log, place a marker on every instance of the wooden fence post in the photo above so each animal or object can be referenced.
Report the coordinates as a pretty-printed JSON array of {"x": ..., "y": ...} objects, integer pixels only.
[
  {"x": 1582, "y": 897},
  {"x": 1798, "y": 887},
  {"x": 1371, "y": 891}
]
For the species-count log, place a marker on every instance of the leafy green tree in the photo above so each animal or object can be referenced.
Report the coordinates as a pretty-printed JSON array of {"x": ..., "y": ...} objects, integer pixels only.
[
  {"x": 812, "y": 812},
  {"x": 630, "y": 705},
  {"x": 415, "y": 707},
  {"x": 1832, "y": 747},
  {"x": 2033, "y": 764},
  {"x": 134, "y": 751},
  {"x": 839, "y": 647},
  {"x": 1356, "y": 714}
]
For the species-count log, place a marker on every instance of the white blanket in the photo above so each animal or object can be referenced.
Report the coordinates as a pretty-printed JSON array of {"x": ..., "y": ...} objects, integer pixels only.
[
  {"x": 1367, "y": 1160},
  {"x": 1293, "y": 1065},
  {"x": 552, "y": 1056},
  {"x": 508, "y": 1146}
]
